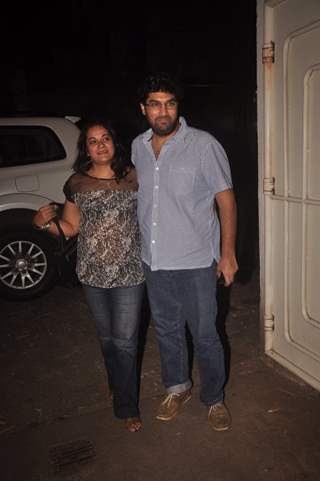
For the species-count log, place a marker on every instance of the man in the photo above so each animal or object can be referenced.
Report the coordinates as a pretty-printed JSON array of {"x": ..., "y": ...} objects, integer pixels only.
[{"x": 182, "y": 171}]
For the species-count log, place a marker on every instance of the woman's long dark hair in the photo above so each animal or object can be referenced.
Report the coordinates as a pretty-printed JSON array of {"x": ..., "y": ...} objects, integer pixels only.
[{"x": 119, "y": 162}]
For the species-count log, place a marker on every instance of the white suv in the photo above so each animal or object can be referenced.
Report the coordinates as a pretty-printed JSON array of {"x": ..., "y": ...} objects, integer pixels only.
[{"x": 36, "y": 158}]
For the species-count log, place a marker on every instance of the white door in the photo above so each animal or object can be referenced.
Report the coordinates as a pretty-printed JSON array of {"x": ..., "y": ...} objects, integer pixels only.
[{"x": 290, "y": 207}]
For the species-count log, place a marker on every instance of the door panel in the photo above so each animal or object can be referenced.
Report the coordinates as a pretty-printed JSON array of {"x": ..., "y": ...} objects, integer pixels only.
[
  {"x": 313, "y": 137},
  {"x": 311, "y": 304},
  {"x": 293, "y": 239}
]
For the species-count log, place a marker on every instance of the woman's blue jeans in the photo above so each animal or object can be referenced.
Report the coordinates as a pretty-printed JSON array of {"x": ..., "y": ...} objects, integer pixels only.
[
  {"x": 177, "y": 298},
  {"x": 117, "y": 313}
]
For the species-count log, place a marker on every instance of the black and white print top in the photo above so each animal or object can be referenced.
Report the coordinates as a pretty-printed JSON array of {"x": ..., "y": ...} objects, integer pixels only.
[{"x": 108, "y": 249}]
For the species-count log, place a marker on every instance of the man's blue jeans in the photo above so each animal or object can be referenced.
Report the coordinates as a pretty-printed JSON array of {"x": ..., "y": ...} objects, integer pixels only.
[
  {"x": 187, "y": 296},
  {"x": 117, "y": 313}
]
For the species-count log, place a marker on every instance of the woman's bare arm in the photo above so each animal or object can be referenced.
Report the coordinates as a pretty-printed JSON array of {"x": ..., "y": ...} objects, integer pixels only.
[{"x": 69, "y": 222}]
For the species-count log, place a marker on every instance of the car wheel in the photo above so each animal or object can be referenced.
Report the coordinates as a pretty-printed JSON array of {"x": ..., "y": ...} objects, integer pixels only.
[{"x": 27, "y": 264}]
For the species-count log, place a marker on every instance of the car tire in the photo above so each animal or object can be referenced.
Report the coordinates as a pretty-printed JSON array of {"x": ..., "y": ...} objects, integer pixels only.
[{"x": 27, "y": 263}]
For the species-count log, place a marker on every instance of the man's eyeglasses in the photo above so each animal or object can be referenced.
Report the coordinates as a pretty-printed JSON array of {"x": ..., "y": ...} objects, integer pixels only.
[{"x": 156, "y": 105}]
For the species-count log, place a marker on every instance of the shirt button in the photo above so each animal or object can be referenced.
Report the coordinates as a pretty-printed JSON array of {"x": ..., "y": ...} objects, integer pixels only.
[
  {"x": 153, "y": 242},
  {"x": 156, "y": 187},
  {"x": 154, "y": 223},
  {"x": 157, "y": 168}
]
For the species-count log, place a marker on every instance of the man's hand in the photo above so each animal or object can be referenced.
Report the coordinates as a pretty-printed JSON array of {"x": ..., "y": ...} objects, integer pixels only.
[{"x": 227, "y": 266}]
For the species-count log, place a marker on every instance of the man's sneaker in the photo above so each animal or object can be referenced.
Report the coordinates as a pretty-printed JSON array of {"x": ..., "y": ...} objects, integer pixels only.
[
  {"x": 219, "y": 417},
  {"x": 172, "y": 404}
]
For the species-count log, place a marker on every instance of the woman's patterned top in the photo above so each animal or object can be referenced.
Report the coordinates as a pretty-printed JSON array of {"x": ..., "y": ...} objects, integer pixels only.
[{"x": 108, "y": 250}]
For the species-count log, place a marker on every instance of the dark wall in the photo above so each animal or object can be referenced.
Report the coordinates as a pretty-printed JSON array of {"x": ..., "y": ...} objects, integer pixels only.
[{"x": 80, "y": 59}]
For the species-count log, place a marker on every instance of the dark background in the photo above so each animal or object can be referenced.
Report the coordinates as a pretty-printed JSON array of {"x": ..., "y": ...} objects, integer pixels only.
[{"x": 84, "y": 57}]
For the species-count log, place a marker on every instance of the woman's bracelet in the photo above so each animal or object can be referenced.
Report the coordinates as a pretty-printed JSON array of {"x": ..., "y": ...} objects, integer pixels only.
[{"x": 45, "y": 226}]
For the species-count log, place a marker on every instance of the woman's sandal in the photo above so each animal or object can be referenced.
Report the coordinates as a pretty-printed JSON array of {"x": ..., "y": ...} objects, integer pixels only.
[{"x": 133, "y": 425}]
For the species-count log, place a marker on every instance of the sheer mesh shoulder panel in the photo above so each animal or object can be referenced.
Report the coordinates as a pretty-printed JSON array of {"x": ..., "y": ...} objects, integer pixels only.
[{"x": 81, "y": 182}]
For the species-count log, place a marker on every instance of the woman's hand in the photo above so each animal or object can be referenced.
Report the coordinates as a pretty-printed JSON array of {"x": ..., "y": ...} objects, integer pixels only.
[
  {"x": 69, "y": 222},
  {"x": 44, "y": 215}
]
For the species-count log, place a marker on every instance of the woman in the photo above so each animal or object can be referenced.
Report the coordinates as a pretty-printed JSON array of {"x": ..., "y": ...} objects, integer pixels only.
[{"x": 100, "y": 207}]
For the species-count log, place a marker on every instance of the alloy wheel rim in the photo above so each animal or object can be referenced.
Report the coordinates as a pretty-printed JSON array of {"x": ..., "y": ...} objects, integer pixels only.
[{"x": 23, "y": 265}]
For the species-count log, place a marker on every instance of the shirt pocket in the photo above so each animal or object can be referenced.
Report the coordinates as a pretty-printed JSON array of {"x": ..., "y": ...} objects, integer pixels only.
[{"x": 181, "y": 180}]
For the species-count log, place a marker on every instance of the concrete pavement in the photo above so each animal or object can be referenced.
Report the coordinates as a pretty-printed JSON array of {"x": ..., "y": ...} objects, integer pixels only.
[{"x": 56, "y": 422}]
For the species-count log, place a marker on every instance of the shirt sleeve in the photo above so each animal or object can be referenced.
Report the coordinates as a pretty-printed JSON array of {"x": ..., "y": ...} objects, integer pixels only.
[
  {"x": 67, "y": 192},
  {"x": 216, "y": 168},
  {"x": 133, "y": 152}
]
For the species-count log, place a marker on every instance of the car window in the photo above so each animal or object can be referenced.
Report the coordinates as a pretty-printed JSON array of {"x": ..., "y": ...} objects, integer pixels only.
[{"x": 23, "y": 145}]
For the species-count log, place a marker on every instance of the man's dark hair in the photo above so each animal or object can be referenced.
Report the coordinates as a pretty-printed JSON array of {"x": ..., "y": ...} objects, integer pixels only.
[
  {"x": 120, "y": 161},
  {"x": 160, "y": 82}
]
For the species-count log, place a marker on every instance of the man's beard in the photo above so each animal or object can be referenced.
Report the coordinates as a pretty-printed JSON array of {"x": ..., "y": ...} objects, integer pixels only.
[{"x": 164, "y": 129}]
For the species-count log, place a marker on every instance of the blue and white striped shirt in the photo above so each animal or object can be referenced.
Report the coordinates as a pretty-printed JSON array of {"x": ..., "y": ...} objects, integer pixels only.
[{"x": 176, "y": 209}]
